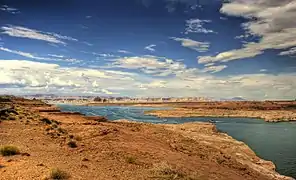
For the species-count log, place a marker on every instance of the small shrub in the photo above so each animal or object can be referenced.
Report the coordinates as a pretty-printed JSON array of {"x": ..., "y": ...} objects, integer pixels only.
[
  {"x": 131, "y": 160},
  {"x": 48, "y": 129},
  {"x": 46, "y": 121},
  {"x": 11, "y": 118},
  {"x": 54, "y": 126},
  {"x": 164, "y": 169},
  {"x": 9, "y": 150},
  {"x": 56, "y": 174},
  {"x": 56, "y": 122},
  {"x": 72, "y": 144},
  {"x": 71, "y": 136},
  {"x": 61, "y": 130}
]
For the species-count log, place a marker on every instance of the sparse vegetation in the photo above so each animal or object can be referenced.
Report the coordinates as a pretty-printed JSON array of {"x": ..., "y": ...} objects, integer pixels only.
[
  {"x": 61, "y": 130},
  {"x": 11, "y": 118},
  {"x": 56, "y": 122},
  {"x": 166, "y": 171},
  {"x": 56, "y": 174},
  {"x": 72, "y": 144},
  {"x": 131, "y": 159},
  {"x": 46, "y": 121},
  {"x": 9, "y": 150},
  {"x": 54, "y": 126}
]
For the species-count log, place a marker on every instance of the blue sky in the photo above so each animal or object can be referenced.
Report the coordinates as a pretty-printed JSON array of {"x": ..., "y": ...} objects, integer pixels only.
[{"x": 149, "y": 48}]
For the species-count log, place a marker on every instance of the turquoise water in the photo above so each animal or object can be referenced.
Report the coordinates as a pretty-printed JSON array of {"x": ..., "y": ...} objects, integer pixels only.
[{"x": 270, "y": 141}]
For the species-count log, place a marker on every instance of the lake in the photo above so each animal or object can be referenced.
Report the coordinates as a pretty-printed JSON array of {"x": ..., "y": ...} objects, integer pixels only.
[{"x": 270, "y": 141}]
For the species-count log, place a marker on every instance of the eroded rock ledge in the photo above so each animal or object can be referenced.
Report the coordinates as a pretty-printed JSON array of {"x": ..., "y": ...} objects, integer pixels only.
[{"x": 267, "y": 115}]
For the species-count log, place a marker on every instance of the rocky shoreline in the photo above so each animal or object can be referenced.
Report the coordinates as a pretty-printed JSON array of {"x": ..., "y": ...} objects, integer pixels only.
[{"x": 103, "y": 149}]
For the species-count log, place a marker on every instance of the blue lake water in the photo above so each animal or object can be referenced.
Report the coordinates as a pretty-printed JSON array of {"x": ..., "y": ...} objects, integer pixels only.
[{"x": 270, "y": 141}]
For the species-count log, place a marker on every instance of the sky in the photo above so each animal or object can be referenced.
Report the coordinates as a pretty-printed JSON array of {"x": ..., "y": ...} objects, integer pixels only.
[{"x": 149, "y": 48}]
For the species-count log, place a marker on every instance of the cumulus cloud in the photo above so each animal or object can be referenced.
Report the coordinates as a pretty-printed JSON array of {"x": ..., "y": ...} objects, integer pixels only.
[
  {"x": 250, "y": 86},
  {"x": 272, "y": 20},
  {"x": 34, "y": 77},
  {"x": 150, "y": 65},
  {"x": 17, "y": 73},
  {"x": 150, "y": 47},
  {"x": 195, "y": 45},
  {"x": 197, "y": 26},
  {"x": 23, "y": 32}
]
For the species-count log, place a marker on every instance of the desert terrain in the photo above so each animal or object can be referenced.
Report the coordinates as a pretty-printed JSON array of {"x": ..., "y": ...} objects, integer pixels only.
[{"x": 38, "y": 141}]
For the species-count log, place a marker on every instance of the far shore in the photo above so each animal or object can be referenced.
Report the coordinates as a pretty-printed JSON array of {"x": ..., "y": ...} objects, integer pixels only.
[{"x": 270, "y": 111}]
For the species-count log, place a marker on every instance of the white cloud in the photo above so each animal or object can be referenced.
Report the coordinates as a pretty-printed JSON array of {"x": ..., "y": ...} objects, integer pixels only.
[
  {"x": 56, "y": 56},
  {"x": 124, "y": 51},
  {"x": 108, "y": 92},
  {"x": 153, "y": 84},
  {"x": 196, "y": 26},
  {"x": 209, "y": 64},
  {"x": 150, "y": 65},
  {"x": 214, "y": 69},
  {"x": 89, "y": 44},
  {"x": 272, "y": 20},
  {"x": 35, "y": 77},
  {"x": 195, "y": 45},
  {"x": 9, "y": 9},
  {"x": 20, "y": 74},
  {"x": 29, "y": 55},
  {"x": 150, "y": 47},
  {"x": 52, "y": 57},
  {"x": 99, "y": 55},
  {"x": 263, "y": 70},
  {"x": 23, "y": 32},
  {"x": 249, "y": 51}
]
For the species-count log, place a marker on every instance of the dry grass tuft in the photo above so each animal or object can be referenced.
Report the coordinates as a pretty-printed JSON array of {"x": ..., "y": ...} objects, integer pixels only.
[
  {"x": 72, "y": 144},
  {"x": 131, "y": 160},
  {"x": 165, "y": 171},
  {"x": 9, "y": 150},
  {"x": 56, "y": 174}
]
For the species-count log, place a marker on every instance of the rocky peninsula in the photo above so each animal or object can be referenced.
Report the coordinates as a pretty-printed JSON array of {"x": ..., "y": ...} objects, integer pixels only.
[
  {"x": 270, "y": 111},
  {"x": 38, "y": 141}
]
